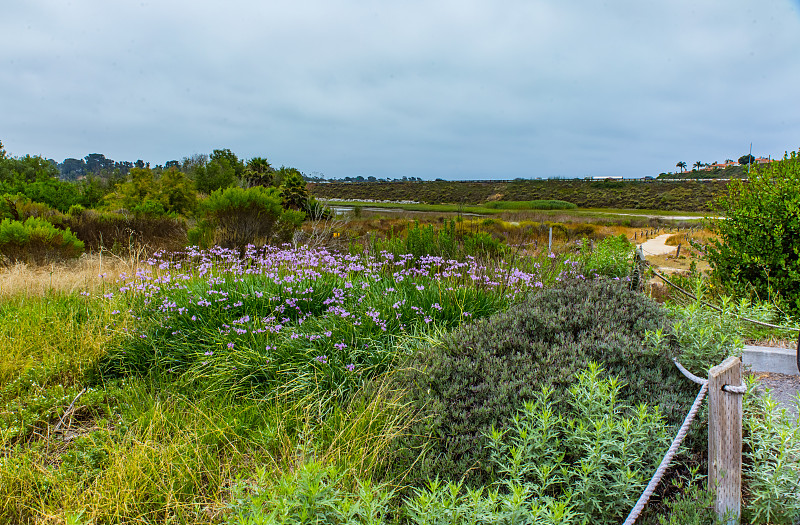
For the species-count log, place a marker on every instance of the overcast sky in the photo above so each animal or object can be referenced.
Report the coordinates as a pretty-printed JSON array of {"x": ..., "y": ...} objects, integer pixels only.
[{"x": 426, "y": 88}]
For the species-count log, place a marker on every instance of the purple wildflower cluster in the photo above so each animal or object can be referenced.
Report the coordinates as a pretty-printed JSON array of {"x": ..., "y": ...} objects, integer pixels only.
[{"x": 323, "y": 305}]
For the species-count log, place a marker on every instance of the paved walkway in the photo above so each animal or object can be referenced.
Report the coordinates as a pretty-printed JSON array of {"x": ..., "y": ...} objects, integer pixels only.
[{"x": 776, "y": 370}]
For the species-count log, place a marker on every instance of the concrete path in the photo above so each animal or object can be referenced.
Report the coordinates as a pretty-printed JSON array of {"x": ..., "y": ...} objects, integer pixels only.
[{"x": 776, "y": 370}]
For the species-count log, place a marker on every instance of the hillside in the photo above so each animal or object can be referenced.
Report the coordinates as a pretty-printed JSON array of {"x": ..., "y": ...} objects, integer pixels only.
[{"x": 684, "y": 196}]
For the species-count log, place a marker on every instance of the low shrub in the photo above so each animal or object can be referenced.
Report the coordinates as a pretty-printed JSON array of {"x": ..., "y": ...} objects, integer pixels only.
[
  {"x": 771, "y": 461},
  {"x": 480, "y": 373},
  {"x": 125, "y": 232},
  {"x": 36, "y": 240},
  {"x": 235, "y": 217},
  {"x": 584, "y": 464},
  {"x": 612, "y": 257},
  {"x": 19, "y": 208},
  {"x": 310, "y": 494}
]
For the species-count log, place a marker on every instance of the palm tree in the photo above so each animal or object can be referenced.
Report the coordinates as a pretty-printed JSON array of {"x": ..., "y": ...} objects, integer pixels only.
[
  {"x": 258, "y": 172},
  {"x": 697, "y": 165},
  {"x": 681, "y": 165}
]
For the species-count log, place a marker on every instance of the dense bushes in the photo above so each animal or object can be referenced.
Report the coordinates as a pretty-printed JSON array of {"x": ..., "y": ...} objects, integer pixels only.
[
  {"x": 235, "y": 217},
  {"x": 478, "y": 376},
  {"x": 36, "y": 240},
  {"x": 585, "y": 465},
  {"x": 125, "y": 231},
  {"x": 759, "y": 240}
]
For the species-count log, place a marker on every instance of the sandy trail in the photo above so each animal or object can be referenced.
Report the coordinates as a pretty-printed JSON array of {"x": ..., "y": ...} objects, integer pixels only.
[{"x": 657, "y": 245}]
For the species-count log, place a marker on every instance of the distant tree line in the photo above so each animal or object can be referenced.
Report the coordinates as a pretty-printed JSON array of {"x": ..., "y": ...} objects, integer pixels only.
[{"x": 102, "y": 201}]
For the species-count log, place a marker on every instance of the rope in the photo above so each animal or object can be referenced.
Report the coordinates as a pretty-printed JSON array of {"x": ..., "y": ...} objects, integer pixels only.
[
  {"x": 733, "y": 389},
  {"x": 662, "y": 468},
  {"x": 689, "y": 375},
  {"x": 768, "y": 325}
]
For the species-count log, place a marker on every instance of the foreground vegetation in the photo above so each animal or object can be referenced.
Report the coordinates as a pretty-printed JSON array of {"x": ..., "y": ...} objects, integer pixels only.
[
  {"x": 374, "y": 371},
  {"x": 285, "y": 387}
]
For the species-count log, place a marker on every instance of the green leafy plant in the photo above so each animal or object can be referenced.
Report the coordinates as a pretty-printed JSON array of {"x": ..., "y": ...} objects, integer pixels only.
[
  {"x": 772, "y": 461},
  {"x": 612, "y": 257},
  {"x": 758, "y": 247},
  {"x": 235, "y": 217},
  {"x": 37, "y": 240},
  {"x": 310, "y": 495}
]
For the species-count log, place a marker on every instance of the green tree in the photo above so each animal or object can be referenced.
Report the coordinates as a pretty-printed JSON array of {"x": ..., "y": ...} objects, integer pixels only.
[
  {"x": 294, "y": 192},
  {"x": 258, "y": 172},
  {"x": 697, "y": 165},
  {"x": 681, "y": 165},
  {"x": 758, "y": 245},
  {"x": 144, "y": 193},
  {"x": 234, "y": 217},
  {"x": 746, "y": 159},
  {"x": 222, "y": 171}
]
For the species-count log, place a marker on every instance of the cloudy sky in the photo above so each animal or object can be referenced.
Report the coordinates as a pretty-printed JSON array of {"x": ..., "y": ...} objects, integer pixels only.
[{"x": 455, "y": 89}]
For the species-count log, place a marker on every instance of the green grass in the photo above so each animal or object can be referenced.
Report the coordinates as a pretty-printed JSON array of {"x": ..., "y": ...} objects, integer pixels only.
[{"x": 617, "y": 214}]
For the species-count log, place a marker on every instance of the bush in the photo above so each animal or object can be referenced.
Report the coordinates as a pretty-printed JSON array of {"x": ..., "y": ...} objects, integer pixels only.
[
  {"x": 311, "y": 495},
  {"x": 122, "y": 232},
  {"x": 19, "y": 208},
  {"x": 36, "y": 240},
  {"x": 772, "y": 461},
  {"x": 587, "y": 464},
  {"x": 759, "y": 238},
  {"x": 479, "y": 375},
  {"x": 235, "y": 217},
  {"x": 612, "y": 257}
]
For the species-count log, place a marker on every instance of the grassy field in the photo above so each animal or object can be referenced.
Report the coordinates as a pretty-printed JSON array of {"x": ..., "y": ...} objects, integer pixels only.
[{"x": 668, "y": 196}]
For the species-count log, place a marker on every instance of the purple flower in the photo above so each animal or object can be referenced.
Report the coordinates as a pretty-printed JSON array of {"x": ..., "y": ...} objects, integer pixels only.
[
  {"x": 322, "y": 359},
  {"x": 230, "y": 345},
  {"x": 208, "y": 353},
  {"x": 350, "y": 367}
]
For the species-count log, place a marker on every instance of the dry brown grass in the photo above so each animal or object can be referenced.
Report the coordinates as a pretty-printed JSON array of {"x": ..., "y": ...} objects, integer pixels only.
[
  {"x": 702, "y": 236},
  {"x": 88, "y": 273}
]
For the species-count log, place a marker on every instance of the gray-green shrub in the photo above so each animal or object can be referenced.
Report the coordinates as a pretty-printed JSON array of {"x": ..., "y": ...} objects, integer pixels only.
[
  {"x": 771, "y": 461},
  {"x": 482, "y": 372}
]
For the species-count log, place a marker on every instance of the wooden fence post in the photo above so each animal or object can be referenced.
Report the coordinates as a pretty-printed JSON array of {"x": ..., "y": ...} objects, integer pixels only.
[
  {"x": 725, "y": 438},
  {"x": 550, "y": 241}
]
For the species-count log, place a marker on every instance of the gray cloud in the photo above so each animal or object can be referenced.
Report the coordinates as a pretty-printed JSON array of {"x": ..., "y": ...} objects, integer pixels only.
[{"x": 433, "y": 89}]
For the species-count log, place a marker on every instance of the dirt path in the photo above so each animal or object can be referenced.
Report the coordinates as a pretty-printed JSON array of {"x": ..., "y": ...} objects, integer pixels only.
[{"x": 658, "y": 246}]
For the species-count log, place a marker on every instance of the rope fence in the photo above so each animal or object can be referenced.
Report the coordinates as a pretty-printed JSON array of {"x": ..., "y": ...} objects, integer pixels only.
[
  {"x": 673, "y": 448},
  {"x": 725, "y": 420}
]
